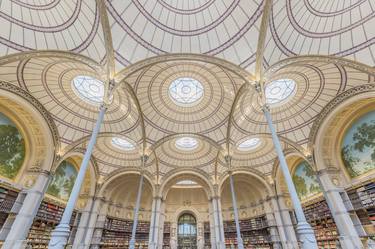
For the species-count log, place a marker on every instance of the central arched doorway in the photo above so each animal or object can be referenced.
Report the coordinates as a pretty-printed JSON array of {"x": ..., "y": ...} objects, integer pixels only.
[{"x": 187, "y": 232}]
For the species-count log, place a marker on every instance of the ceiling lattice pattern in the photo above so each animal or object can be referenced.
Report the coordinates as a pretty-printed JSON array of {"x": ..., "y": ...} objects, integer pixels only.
[{"x": 72, "y": 25}]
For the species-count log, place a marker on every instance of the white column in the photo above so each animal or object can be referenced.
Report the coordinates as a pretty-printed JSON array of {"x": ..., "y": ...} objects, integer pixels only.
[
  {"x": 304, "y": 230},
  {"x": 160, "y": 231},
  {"x": 154, "y": 225},
  {"x": 83, "y": 222},
  {"x": 16, "y": 238},
  {"x": 274, "y": 208},
  {"x": 59, "y": 236},
  {"x": 99, "y": 226},
  {"x": 12, "y": 215},
  {"x": 136, "y": 211},
  {"x": 277, "y": 236},
  {"x": 218, "y": 219},
  {"x": 212, "y": 225},
  {"x": 349, "y": 238},
  {"x": 287, "y": 222},
  {"x": 234, "y": 202}
]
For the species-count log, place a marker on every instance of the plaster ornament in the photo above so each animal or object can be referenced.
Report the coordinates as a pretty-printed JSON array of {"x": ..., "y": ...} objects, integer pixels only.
[{"x": 335, "y": 181}]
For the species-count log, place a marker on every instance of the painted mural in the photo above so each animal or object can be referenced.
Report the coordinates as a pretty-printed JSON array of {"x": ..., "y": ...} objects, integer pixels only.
[
  {"x": 63, "y": 181},
  {"x": 304, "y": 179},
  {"x": 12, "y": 148},
  {"x": 358, "y": 146}
]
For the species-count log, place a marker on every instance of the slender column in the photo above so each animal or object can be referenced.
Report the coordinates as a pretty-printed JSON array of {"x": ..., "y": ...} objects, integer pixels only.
[
  {"x": 160, "y": 231},
  {"x": 12, "y": 215},
  {"x": 274, "y": 208},
  {"x": 349, "y": 238},
  {"x": 277, "y": 238},
  {"x": 287, "y": 222},
  {"x": 16, "y": 238},
  {"x": 219, "y": 229},
  {"x": 212, "y": 225},
  {"x": 155, "y": 220},
  {"x": 89, "y": 230},
  {"x": 83, "y": 222},
  {"x": 99, "y": 226},
  {"x": 234, "y": 202},
  {"x": 304, "y": 230},
  {"x": 59, "y": 236},
  {"x": 136, "y": 211}
]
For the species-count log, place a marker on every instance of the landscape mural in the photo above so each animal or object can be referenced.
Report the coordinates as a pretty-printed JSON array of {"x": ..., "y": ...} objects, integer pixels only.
[
  {"x": 304, "y": 179},
  {"x": 12, "y": 148},
  {"x": 358, "y": 147},
  {"x": 63, "y": 181}
]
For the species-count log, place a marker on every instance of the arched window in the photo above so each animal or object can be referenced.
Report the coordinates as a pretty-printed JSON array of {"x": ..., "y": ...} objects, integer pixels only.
[
  {"x": 358, "y": 146},
  {"x": 187, "y": 232},
  {"x": 12, "y": 148},
  {"x": 63, "y": 181},
  {"x": 304, "y": 179}
]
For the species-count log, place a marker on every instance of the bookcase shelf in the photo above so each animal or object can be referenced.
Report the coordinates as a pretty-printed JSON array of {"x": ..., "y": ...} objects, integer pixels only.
[
  {"x": 255, "y": 233},
  {"x": 7, "y": 199},
  {"x": 207, "y": 234},
  {"x": 320, "y": 218},
  {"x": 117, "y": 233},
  {"x": 167, "y": 235},
  {"x": 362, "y": 198},
  {"x": 46, "y": 219}
]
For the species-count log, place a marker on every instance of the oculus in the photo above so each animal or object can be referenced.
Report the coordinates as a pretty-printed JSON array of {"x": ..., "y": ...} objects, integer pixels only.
[
  {"x": 186, "y": 182},
  {"x": 249, "y": 144},
  {"x": 186, "y": 92},
  {"x": 186, "y": 143},
  {"x": 279, "y": 91},
  {"x": 358, "y": 146},
  {"x": 12, "y": 148},
  {"x": 122, "y": 144},
  {"x": 88, "y": 89},
  {"x": 304, "y": 178}
]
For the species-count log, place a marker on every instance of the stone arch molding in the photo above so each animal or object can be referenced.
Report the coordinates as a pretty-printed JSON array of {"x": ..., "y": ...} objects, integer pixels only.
[
  {"x": 43, "y": 148},
  {"x": 321, "y": 144}
]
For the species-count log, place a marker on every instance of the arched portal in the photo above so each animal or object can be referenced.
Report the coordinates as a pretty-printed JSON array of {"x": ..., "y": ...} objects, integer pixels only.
[{"x": 187, "y": 231}]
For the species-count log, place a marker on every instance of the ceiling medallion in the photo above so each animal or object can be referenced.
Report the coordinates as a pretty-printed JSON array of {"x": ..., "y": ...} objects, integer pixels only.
[
  {"x": 186, "y": 92},
  {"x": 279, "y": 91},
  {"x": 249, "y": 144},
  {"x": 123, "y": 144},
  {"x": 88, "y": 89},
  {"x": 186, "y": 143}
]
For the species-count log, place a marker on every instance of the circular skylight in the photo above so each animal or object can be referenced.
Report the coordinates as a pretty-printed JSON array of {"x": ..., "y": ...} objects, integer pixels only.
[
  {"x": 186, "y": 143},
  {"x": 186, "y": 91},
  {"x": 249, "y": 144},
  {"x": 280, "y": 90},
  {"x": 89, "y": 89},
  {"x": 122, "y": 144}
]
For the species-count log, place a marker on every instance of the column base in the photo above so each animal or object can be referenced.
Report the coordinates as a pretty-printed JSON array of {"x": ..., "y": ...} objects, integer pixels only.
[
  {"x": 306, "y": 236},
  {"x": 132, "y": 244},
  {"x": 152, "y": 245},
  {"x": 240, "y": 243},
  {"x": 14, "y": 244},
  {"x": 220, "y": 245},
  {"x": 349, "y": 242},
  {"x": 59, "y": 237}
]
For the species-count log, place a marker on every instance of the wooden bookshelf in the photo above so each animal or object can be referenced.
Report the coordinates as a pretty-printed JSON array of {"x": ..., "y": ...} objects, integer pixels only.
[
  {"x": 320, "y": 218},
  {"x": 7, "y": 199},
  {"x": 167, "y": 235},
  {"x": 47, "y": 218},
  {"x": 362, "y": 198},
  {"x": 117, "y": 233},
  {"x": 207, "y": 234},
  {"x": 255, "y": 233}
]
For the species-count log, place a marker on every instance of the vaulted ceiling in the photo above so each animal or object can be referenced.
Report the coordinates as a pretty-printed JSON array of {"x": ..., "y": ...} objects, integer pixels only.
[{"x": 147, "y": 44}]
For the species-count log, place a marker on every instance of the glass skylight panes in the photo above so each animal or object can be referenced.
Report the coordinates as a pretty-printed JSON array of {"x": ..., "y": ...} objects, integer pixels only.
[
  {"x": 186, "y": 182},
  {"x": 280, "y": 90},
  {"x": 186, "y": 143},
  {"x": 186, "y": 91},
  {"x": 122, "y": 144},
  {"x": 89, "y": 89},
  {"x": 249, "y": 144}
]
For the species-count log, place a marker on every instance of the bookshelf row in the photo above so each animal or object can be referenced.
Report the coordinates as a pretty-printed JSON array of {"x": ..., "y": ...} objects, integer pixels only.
[
  {"x": 117, "y": 234},
  {"x": 7, "y": 199},
  {"x": 255, "y": 233},
  {"x": 167, "y": 235}
]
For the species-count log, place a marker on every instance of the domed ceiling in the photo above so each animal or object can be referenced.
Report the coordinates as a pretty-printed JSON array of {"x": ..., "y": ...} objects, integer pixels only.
[{"x": 184, "y": 73}]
